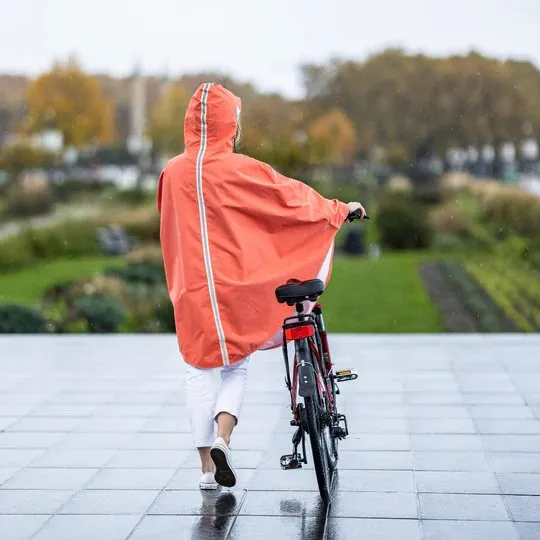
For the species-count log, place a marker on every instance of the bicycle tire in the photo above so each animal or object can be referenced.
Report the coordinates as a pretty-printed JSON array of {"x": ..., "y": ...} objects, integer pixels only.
[
  {"x": 331, "y": 442},
  {"x": 335, "y": 440},
  {"x": 318, "y": 450}
]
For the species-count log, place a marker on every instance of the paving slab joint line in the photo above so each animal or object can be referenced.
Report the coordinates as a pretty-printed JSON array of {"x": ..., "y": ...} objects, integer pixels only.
[
  {"x": 246, "y": 491},
  {"x": 498, "y": 484},
  {"x": 76, "y": 492},
  {"x": 237, "y": 513}
]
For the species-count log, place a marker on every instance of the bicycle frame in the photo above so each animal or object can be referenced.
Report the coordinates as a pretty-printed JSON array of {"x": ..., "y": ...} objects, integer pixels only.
[{"x": 311, "y": 328}]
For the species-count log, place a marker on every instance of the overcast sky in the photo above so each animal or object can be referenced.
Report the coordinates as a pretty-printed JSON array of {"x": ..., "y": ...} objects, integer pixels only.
[{"x": 263, "y": 41}]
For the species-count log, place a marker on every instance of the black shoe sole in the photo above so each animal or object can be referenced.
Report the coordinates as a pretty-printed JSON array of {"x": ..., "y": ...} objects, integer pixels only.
[{"x": 224, "y": 474}]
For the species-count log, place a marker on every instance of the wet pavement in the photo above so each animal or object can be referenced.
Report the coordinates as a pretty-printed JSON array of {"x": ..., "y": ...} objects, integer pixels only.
[{"x": 444, "y": 444}]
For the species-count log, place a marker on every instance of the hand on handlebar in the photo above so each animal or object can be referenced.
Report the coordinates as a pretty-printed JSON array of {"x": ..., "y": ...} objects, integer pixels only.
[{"x": 356, "y": 211}]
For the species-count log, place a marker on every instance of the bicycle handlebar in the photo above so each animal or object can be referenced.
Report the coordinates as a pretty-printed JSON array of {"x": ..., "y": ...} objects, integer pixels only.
[{"x": 356, "y": 215}]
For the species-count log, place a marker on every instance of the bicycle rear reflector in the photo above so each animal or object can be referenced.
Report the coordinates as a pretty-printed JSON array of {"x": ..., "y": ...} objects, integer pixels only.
[{"x": 299, "y": 332}]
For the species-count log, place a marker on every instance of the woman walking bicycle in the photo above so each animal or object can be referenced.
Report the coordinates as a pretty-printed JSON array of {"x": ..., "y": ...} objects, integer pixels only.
[{"x": 232, "y": 230}]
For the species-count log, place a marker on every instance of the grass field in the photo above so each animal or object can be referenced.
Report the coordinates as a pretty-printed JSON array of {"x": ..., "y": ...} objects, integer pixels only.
[
  {"x": 369, "y": 296},
  {"x": 379, "y": 296},
  {"x": 26, "y": 286}
]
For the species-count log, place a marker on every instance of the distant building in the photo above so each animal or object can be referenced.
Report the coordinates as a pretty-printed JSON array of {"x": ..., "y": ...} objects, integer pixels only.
[{"x": 137, "y": 127}]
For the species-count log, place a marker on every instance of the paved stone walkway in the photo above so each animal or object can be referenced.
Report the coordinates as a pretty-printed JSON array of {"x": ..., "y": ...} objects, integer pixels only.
[{"x": 445, "y": 444}]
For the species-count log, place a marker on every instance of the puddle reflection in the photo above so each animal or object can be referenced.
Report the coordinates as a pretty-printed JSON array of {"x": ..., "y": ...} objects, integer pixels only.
[{"x": 217, "y": 511}]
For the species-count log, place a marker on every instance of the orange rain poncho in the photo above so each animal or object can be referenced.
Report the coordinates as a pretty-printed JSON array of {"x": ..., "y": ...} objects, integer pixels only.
[{"x": 232, "y": 230}]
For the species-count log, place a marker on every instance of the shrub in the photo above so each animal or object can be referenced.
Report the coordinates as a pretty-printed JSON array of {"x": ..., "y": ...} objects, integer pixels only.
[
  {"x": 15, "y": 252},
  {"x": 141, "y": 301},
  {"x": 428, "y": 195},
  {"x": 68, "y": 239},
  {"x": 145, "y": 253},
  {"x": 403, "y": 224},
  {"x": 142, "y": 223},
  {"x": 101, "y": 285},
  {"x": 130, "y": 196},
  {"x": 399, "y": 184},
  {"x": 103, "y": 314},
  {"x": 16, "y": 319},
  {"x": 449, "y": 219},
  {"x": 144, "y": 303},
  {"x": 509, "y": 206},
  {"x": 72, "y": 189},
  {"x": 148, "y": 273},
  {"x": 26, "y": 199}
]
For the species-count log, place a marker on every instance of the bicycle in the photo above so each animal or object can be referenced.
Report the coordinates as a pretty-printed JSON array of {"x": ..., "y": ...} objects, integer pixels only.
[{"x": 314, "y": 380}]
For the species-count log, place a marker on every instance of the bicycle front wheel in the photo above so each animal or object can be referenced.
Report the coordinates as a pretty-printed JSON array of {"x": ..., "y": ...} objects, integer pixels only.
[{"x": 318, "y": 447}]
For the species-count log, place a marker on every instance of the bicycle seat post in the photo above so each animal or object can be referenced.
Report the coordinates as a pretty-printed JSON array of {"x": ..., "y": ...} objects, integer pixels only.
[{"x": 300, "y": 310}]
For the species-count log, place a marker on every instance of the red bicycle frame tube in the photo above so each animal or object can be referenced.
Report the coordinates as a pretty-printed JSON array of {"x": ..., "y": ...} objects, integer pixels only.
[
  {"x": 321, "y": 383},
  {"x": 298, "y": 330}
]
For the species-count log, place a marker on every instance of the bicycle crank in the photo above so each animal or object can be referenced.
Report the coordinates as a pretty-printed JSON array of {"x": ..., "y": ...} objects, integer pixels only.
[{"x": 294, "y": 460}]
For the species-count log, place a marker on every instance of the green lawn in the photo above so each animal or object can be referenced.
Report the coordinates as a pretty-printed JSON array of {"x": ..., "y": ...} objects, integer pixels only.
[
  {"x": 26, "y": 286},
  {"x": 369, "y": 296},
  {"x": 379, "y": 296}
]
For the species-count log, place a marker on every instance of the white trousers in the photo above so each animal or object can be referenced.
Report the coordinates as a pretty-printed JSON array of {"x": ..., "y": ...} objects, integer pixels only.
[
  {"x": 206, "y": 397},
  {"x": 205, "y": 401}
]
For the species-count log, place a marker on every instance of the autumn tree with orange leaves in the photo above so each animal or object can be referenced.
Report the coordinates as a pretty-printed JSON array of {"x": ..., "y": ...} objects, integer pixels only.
[
  {"x": 71, "y": 101},
  {"x": 332, "y": 138}
]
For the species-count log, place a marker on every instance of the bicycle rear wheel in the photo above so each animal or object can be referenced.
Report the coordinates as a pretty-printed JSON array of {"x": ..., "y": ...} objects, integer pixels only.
[{"x": 318, "y": 447}]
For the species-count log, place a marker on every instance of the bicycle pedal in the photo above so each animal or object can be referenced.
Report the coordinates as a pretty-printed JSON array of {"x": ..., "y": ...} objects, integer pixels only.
[
  {"x": 346, "y": 375},
  {"x": 291, "y": 461},
  {"x": 340, "y": 433}
]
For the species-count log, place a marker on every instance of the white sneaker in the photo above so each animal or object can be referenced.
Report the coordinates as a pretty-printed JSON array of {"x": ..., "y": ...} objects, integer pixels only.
[
  {"x": 208, "y": 481},
  {"x": 221, "y": 456}
]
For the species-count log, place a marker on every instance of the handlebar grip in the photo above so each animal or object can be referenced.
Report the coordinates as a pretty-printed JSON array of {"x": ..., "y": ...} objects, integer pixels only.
[{"x": 356, "y": 215}]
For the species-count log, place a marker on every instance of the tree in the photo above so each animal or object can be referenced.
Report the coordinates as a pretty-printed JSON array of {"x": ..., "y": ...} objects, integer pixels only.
[
  {"x": 167, "y": 120},
  {"x": 395, "y": 98},
  {"x": 272, "y": 131},
  {"x": 332, "y": 138},
  {"x": 71, "y": 101}
]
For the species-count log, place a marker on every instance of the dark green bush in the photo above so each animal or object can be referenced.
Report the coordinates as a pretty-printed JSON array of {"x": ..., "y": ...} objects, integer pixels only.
[
  {"x": 146, "y": 272},
  {"x": 403, "y": 224},
  {"x": 103, "y": 314},
  {"x": 130, "y": 196},
  {"x": 71, "y": 189},
  {"x": 427, "y": 195},
  {"x": 16, "y": 319}
]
